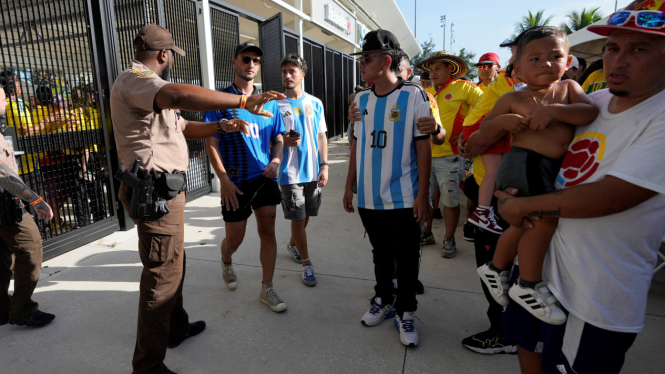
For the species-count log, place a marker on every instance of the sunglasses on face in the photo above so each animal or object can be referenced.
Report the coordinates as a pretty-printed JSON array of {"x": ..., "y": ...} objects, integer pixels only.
[
  {"x": 485, "y": 66},
  {"x": 247, "y": 60},
  {"x": 646, "y": 19},
  {"x": 364, "y": 60}
]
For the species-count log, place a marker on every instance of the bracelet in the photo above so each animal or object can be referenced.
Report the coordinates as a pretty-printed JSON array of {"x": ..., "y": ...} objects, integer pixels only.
[
  {"x": 39, "y": 200},
  {"x": 243, "y": 101},
  {"x": 323, "y": 163},
  {"x": 438, "y": 130},
  {"x": 220, "y": 129}
]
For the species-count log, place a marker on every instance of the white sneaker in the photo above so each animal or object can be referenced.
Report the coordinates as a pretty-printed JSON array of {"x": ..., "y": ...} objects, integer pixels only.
[
  {"x": 229, "y": 276},
  {"x": 496, "y": 282},
  {"x": 538, "y": 301},
  {"x": 407, "y": 331},
  {"x": 269, "y": 297},
  {"x": 377, "y": 313},
  {"x": 294, "y": 252}
]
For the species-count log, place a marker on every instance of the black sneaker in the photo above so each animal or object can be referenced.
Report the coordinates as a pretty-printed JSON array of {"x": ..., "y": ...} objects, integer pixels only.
[
  {"x": 194, "y": 329},
  {"x": 167, "y": 371},
  {"x": 488, "y": 343},
  {"x": 437, "y": 214},
  {"x": 36, "y": 320},
  {"x": 469, "y": 231},
  {"x": 420, "y": 289}
]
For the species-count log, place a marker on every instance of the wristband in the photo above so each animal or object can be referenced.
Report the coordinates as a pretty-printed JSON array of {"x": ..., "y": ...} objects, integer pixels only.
[
  {"x": 243, "y": 101},
  {"x": 39, "y": 200},
  {"x": 438, "y": 130},
  {"x": 323, "y": 163}
]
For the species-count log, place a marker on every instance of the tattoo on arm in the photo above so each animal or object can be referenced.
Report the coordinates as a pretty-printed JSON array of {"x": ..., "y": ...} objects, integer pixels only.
[
  {"x": 556, "y": 212},
  {"x": 13, "y": 184}
]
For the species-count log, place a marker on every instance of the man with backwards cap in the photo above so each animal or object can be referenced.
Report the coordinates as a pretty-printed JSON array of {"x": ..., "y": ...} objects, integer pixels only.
[
  {"x": 148, "y": 128},
  {"x": 611, "y": 209},
  {"x": 247, "y": 167},
  {"x": 454, "y": 97},
  {"x": 488, "y": 69},
  {"x": 392, "y": 196}
]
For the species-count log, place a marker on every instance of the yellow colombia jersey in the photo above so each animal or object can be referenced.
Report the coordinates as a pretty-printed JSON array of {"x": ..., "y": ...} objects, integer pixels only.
[
  {"x": 19, "y": 117},
  {"x": 454, "y": 102},
  {"x": 495, "y": 90},
  {"x": 435, "y": 108},
  {"x": 594, "y": 82},
  {"x": 482, "y": 86}
]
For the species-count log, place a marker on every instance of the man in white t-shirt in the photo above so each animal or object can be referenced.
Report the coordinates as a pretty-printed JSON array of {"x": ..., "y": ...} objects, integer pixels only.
[{"x": 611, "y": 205}]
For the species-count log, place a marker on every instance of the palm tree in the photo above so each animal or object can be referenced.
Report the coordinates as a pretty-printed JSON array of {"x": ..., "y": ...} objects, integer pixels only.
[
  {"x": 532, "y": 20},
  {"x": 580, "y": 20}
]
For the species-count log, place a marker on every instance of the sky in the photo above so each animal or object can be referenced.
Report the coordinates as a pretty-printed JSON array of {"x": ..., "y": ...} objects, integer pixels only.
[{"x": 481, "y": 25}]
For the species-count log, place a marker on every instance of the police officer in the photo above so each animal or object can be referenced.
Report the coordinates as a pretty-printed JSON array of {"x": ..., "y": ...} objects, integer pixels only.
[
  {"x": 148, "y": 128},
  {"x": 19, "y": 236}
]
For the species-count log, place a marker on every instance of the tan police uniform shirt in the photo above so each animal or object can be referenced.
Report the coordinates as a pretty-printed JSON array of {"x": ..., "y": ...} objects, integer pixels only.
[
  {"x": 141, "y": 133},
  {"x": 7, "y": 154}
]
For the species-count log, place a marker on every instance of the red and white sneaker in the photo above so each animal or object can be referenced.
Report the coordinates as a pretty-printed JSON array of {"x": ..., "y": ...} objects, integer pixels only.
[{"x": 484, "y": 218}]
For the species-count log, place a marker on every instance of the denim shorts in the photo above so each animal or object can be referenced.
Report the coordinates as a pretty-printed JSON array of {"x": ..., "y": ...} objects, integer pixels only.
[{"x": 446, "y": 173}]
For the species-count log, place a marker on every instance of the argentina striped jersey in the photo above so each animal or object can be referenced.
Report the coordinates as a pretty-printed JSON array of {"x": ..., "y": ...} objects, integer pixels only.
[
  {"x": 301, "y": 164},
  {"x": 386, "y": 161}
]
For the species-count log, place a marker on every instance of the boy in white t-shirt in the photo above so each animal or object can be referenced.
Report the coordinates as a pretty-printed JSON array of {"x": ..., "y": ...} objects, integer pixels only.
[{"x": 611, "y": 210}]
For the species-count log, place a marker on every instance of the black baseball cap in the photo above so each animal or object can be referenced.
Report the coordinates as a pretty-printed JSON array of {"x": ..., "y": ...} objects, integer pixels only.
[
  {"x": 248, "y": 46},
  {"x": 377, "y": 41}
]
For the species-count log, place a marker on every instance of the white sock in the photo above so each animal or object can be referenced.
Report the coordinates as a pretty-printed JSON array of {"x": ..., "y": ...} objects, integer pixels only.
[
  {"x": 395, "y": 283},
  {"x": 482, "y": 207}
]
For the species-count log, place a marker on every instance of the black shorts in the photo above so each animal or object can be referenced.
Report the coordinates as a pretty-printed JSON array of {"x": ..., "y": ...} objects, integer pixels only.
[
  {"x": 257, "y": 194},
  {"x": 528, "y": 171}
]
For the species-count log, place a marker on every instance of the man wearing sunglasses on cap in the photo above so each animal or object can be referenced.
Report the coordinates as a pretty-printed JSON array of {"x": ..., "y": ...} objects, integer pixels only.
[
  {"x": 247, "y": 167},
  {"x": 611, "y": 208}
]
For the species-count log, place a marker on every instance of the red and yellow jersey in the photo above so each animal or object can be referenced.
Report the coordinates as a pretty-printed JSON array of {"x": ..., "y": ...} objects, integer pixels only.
[
  {"x": 594, "y": 82},
  {"x": 435, "y": 109},
  {"x": 483, "y": 87},
  {"x": 454, "y": 101},
  {"x": 495, "y": 90}
]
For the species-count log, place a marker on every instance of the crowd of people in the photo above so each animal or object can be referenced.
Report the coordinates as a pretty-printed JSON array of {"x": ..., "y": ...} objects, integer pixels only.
[
  {"x": 59, "y": 175},
  {"x": 564, "y": 194}
]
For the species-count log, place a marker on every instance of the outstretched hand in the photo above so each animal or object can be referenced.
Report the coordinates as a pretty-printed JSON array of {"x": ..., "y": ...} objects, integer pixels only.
[
  {"x": 255, "y": 103},
  {"x": 235, "y": 125}
]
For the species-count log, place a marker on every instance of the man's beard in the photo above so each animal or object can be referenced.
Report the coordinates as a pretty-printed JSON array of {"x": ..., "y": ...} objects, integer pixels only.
[
  {"x": 166, "y": 73},
  {"x": 246, "y": 77},
  {"x": 619, "y": 93}
]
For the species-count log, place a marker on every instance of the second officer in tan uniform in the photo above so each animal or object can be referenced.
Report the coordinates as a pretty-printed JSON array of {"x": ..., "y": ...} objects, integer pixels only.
[{"x": 148, "y": 128}]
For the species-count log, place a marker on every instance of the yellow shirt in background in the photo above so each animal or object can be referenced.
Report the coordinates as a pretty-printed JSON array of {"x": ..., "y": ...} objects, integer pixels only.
[
  {"x": 454, "y": 102},
  {"x": 594, "y": 82}
]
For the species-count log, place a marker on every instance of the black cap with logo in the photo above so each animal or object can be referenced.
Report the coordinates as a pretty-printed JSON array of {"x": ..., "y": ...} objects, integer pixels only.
[
  {"x": 377, "y": 41},
  {"x": 247, "y": 47}
]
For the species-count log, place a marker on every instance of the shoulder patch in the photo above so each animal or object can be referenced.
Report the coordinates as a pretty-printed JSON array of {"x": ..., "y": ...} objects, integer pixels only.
[{"x": 142, "y": 73}]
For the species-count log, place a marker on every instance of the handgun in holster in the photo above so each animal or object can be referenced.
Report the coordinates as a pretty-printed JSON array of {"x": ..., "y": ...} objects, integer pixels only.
[
  {"x": 140, "y": 189},
  {"x": 11, "y": 208}
]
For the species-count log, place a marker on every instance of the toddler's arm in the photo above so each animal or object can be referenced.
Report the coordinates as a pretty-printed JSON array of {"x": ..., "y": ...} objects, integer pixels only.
[
  {"x": 501, "y": 120},
  {"x": 580, "y": 111}
]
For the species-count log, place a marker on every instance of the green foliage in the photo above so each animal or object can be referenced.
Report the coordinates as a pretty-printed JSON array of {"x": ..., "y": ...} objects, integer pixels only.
[
  {"x": 531, "y": 20},
  {"x": 428, "y": 47},
  {"x": 579, "y": 20},
  {"x": 470, "y": 59}
]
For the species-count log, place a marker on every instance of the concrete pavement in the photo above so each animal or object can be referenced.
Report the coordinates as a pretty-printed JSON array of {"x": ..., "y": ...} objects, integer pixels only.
[{"x": 93, "y": 291}]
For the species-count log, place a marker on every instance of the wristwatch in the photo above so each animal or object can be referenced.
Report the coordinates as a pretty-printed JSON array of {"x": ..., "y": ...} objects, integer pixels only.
[
  {"x": 438, "y": 130},
  {"x": 219, "y": 125}
]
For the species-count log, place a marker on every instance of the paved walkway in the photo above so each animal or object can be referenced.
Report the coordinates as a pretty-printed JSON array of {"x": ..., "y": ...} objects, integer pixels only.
[{"x": 94, "y": 293}]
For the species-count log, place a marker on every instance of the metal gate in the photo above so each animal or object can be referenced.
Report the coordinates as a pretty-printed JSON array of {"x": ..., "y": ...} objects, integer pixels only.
[
  {"x": 225, "y": 38},
  {"x": 51, "y": 78},
  {"x": 271, "y": 39}
]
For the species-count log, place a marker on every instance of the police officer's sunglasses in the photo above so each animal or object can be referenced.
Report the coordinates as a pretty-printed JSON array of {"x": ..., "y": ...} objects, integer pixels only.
[
  {"x": 646, "y": 19},
  {"x": 484, "y": 66},
  {"x": 247, "y": 60}
]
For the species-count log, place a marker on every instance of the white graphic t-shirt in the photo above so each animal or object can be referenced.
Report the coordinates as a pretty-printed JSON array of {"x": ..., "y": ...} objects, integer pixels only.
[{"x": 600, "y": 269}]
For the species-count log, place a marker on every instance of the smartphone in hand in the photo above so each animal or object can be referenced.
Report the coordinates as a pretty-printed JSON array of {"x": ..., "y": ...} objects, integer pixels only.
[{"x": 294, "y": 133}]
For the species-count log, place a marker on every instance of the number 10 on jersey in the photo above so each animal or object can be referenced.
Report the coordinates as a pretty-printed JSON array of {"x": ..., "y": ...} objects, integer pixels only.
[{"x": 379, "y": 139}]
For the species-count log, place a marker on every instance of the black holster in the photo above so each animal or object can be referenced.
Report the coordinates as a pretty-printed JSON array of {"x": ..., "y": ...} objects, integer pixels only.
[
  {"x": 170, "y": 185},
  {"x": 11, "y": 208}
]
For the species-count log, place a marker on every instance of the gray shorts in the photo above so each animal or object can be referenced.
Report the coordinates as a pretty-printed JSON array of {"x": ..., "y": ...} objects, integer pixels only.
[
  {"x": 301, "y": 200},
  {"x": 446, "y": 174}
]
